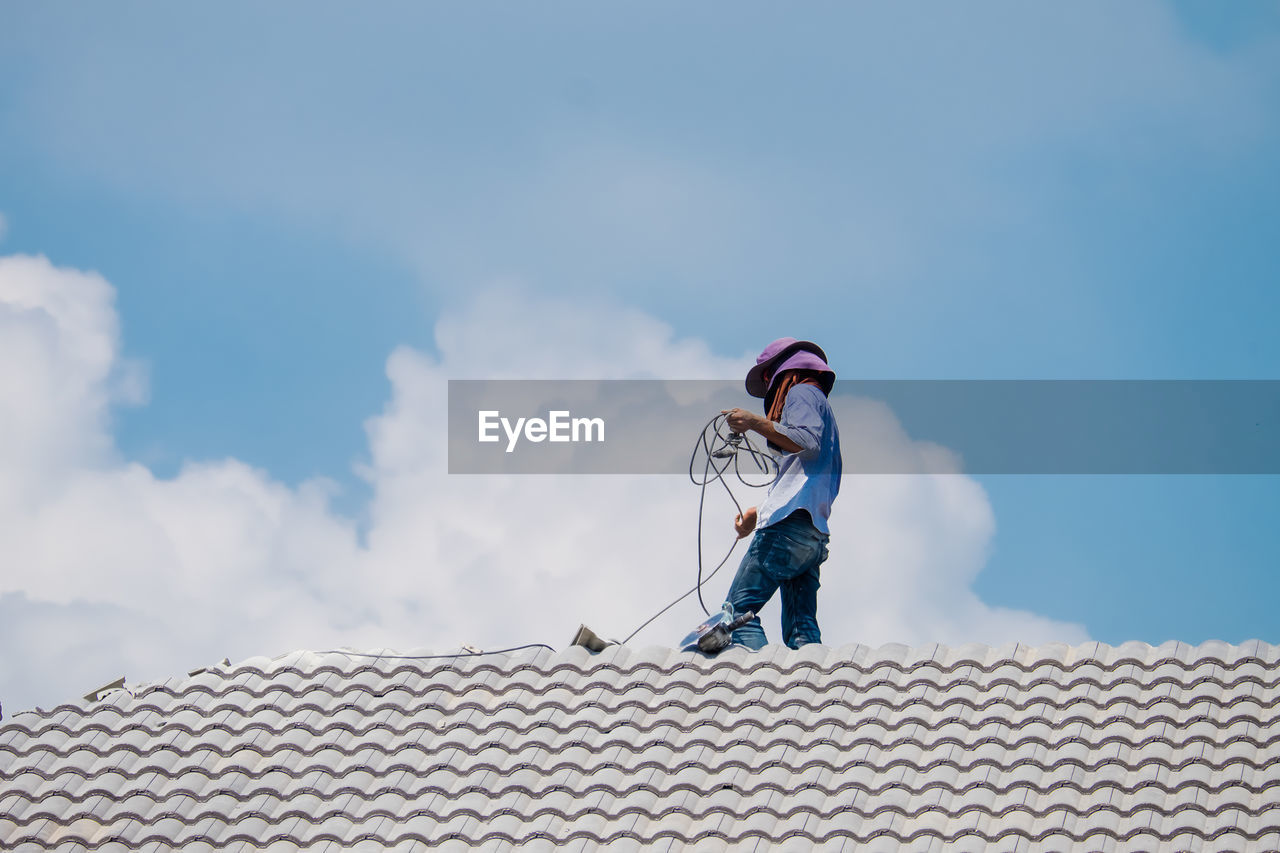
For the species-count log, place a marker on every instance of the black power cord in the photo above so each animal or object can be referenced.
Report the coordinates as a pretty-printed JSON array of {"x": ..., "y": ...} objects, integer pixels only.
[
  {"x": 461, "y": 654},
  {"x": 717, "y": 442}
]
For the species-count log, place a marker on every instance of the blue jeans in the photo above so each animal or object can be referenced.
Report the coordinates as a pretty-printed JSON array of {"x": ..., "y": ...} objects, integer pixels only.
[{"x": 785, "y": 555}]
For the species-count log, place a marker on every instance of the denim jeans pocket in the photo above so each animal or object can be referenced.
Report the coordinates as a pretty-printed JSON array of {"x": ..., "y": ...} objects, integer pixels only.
[{"x": 785, "y": 554}]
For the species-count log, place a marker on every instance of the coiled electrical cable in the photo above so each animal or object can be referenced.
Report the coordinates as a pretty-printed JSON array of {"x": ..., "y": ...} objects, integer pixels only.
[{"x": 717, "y": 441}]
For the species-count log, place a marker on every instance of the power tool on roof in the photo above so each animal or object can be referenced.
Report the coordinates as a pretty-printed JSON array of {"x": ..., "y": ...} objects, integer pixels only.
[
  {"x": 730, "y": 447},
  {"x": 716, "y": 634},
  {"x": 711, "y": 637}
]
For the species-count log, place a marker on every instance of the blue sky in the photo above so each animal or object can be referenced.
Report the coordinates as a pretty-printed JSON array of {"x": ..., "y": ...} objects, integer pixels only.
[{"x": 281, "y": 198}]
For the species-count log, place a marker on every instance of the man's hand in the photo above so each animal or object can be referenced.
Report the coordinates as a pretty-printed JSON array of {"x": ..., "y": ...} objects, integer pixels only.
[
  {"x": 745, "y": 523},
  {"x": 740, "y": 420}
]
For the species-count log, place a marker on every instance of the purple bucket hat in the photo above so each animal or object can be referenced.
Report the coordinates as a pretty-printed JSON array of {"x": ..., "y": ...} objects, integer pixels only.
[{"x": 789, "y": 354}]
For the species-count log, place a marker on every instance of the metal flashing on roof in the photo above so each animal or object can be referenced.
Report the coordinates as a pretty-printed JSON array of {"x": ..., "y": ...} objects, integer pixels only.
[{"x": 101, "y": 692}]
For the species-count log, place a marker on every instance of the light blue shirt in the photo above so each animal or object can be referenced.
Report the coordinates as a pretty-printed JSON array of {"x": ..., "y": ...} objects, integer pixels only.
[{"x": 810, "y": 478}]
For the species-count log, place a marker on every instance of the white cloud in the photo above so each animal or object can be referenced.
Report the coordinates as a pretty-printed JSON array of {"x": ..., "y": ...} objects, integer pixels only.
[
  {"x": 506, "y": 331},
  {"x": 62, "y": 370},
  {"x": 111, "y": 570}
]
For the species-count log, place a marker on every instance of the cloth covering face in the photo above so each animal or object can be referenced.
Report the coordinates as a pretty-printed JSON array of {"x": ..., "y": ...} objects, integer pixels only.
[{"x": 809, "y": 479}]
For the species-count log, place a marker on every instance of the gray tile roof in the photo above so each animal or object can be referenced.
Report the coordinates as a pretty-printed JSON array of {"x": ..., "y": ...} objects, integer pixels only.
[{"x": 1013, "y": 748}]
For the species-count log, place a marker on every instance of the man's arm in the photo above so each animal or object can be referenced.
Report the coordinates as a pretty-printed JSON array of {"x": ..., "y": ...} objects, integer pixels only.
[{"x": 740, "y": 420}]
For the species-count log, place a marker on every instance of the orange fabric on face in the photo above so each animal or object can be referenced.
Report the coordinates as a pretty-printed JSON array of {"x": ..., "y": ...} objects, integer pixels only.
[{"x": 789, "y": 381}]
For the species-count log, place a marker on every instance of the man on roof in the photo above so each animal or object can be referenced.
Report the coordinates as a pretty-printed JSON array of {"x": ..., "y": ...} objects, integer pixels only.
[{"x": 791, "y": 530}]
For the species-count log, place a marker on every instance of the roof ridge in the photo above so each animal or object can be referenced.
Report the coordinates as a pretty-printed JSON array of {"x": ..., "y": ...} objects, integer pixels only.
[{"x": 544, "y": 661}]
